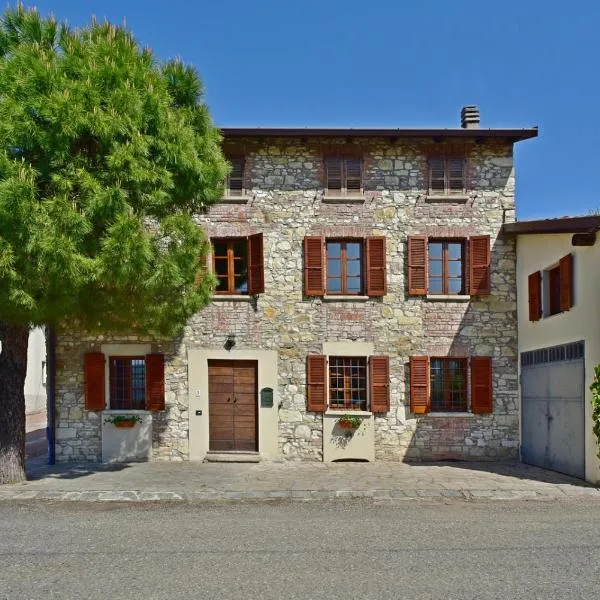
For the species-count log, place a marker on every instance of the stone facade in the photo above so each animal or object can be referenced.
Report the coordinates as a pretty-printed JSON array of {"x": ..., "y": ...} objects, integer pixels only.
[{"x": 284, "y": 179}]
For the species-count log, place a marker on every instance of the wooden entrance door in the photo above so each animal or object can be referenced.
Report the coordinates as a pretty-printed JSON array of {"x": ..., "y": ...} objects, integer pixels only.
[{"x": 232, "y": 405}]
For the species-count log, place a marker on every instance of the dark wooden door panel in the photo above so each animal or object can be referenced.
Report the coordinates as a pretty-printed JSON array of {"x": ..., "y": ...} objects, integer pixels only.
[{"x": 233, "y": 405}]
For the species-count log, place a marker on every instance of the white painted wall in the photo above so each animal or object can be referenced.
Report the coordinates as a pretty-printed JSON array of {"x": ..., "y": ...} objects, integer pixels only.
[
  {"x": 35, "y": 381},
  {"x": 582, "y": 322}
]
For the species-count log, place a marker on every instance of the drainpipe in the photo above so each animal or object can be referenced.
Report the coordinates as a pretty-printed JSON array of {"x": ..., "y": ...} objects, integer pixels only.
[{"x": 51, "y": 393}]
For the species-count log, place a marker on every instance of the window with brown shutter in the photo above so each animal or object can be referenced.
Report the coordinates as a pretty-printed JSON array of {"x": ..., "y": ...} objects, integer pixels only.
[
  {"x": 419, "y": 384},
  {"x": 235, "y": 179},
  {"x": 316, "y": 374},
  {"x": 446, "y": 176},
  {"x": 417, "y": 265},
  {"x": 93, "y": 381},
  {"x": 347, "y": 383},
  {"x": 155, "y": 382},
  {"x": 379, "y": 383},
  {"x": 479, "y": 258},
  {"x": 446, "y": 267},
  {"x": 534, "y": 285},
  {"x": 448, "y": 384},
  {"x": 343, "y": 176},
  {"x": 376, "y": 266},
  {"x": 481, "y": 385},
  {"x": 345, "y": 266},
  {"x": 238, "y": 265}
]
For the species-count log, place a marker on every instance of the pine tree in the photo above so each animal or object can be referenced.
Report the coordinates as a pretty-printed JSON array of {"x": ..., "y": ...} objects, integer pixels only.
[{"x": 105, "y": 155}]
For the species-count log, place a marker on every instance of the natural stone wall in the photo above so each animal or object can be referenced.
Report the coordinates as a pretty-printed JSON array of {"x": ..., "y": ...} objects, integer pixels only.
[{"x": 284, "y": 183}]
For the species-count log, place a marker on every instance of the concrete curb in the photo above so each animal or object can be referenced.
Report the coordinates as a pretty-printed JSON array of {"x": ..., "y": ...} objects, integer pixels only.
[{"x": 387, "y": 495}]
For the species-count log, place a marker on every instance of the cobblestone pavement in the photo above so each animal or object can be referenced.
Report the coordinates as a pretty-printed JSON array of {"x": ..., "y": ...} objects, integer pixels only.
[{"x": 302, "y": 481}]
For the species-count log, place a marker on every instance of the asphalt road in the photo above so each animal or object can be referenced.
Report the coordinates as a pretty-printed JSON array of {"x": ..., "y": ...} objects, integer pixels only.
[{"x": 312, "y": 550}]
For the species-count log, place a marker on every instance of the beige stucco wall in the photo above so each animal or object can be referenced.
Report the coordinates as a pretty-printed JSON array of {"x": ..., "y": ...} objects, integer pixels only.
[
  {"x": 35, "y": 382},
  {"x": 538, "y": 252}
]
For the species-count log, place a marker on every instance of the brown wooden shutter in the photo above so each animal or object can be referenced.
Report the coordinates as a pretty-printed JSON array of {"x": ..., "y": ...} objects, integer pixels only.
[
  {"x": 437, "y": 180},
  {"x": 479, "y": 257},
  {"x": 313, "y": 266},
  {"x": 566, "y": 282},
  {"x": 256, "y": 273},
  {"x": 534, "y": 285},
  {"x": 481, "y": 384},
  {"x": 235, "y": 180},
  {"x": 379, "y": 383},
  {"x": 93, "y": 381},
  {"x": 376, "y": 272},
  {"x": 417, "y": 265},
  {"x": 333, "y": 175},
  {"x": 155, "y": 382},
  {"x": 316, "y": 376},
  {"x": 353, "y": 175},
  {"x": 419, "y": 384}
]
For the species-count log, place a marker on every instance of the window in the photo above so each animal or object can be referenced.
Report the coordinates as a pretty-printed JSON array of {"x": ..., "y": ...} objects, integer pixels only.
[
  {"x": 440, "y": 384},
  {"x": 442, "y": 267},
  {"x": 235, "y": 179},
  {"x": 347, "y": 383},
  {"x": 448, "y": 377},
  {"x": 344, "y": 267},
  {"x": 551, "y": 300},
  {"x": 135, "y": 382},
  {"x": 551, "y": 291},
  {"x": 446, "y": 176},
  {"x": 343, "y": 176},
  {"x": 230, "y": 263},
  {"x": 127, "y": 382},
  {"x": 446, "y": 267}
]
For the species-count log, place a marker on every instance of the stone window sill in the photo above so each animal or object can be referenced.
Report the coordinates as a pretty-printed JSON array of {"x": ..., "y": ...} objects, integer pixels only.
[
  {"x": 350, "y": 199},
  {"x": 350, "y": 298},
  {"x": 449, "y": 297},
  {"x": 449, "y": 198},
  {"x": 234, "y": 200},
  {"x": 334, "y": 412},
  {"x": 121, "y": 411},
  {"x": 233, "y": 297},
  {"x": 450, "y": 414}
]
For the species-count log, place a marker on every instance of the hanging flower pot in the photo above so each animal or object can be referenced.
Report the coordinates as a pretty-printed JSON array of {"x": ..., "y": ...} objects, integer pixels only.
[
  {"x": 349, "y": 422},
  {"x": 123, "y": 421}
]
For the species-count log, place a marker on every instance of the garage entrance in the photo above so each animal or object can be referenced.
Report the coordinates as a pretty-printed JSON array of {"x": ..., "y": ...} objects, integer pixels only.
[{"x": 553, "y": 408}]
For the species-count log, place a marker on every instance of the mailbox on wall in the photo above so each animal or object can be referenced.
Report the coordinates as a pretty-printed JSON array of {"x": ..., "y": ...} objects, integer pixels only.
[{"x": 266, "y": 397}]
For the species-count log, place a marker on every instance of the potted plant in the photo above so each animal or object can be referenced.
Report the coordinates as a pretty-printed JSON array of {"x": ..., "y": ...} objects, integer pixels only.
[
  {"x": 350, "y": 422},
  {"x": 123, "y": 421}
]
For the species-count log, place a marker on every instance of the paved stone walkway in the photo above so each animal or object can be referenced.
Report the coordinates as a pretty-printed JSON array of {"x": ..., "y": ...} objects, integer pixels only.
[{"x": 285, "y": 480}]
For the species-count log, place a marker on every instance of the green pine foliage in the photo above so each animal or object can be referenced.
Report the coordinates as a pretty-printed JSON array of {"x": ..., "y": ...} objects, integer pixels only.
[{"x": 105, "y": 156}]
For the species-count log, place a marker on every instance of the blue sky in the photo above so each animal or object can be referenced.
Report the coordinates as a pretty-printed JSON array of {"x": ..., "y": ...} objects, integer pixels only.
[{"x": 410, "y": 63}]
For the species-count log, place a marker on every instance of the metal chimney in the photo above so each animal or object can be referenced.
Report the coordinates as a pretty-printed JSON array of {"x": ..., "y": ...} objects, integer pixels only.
[{"x": 469, "y": 117}]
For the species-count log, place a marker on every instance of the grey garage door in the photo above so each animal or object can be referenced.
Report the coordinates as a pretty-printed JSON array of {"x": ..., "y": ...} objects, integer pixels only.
[{"x": 553, "y": 408}]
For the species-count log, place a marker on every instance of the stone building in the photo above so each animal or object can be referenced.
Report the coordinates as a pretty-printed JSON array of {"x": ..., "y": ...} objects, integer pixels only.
[{"x": 362, "y": 273}]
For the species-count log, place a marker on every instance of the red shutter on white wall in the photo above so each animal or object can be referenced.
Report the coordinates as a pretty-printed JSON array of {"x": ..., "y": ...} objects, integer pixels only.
[
  {"x": 479, "y": 256},
  {"x": 316, "y": 379},
  {"x": 256, "y": 273},
  {"x": 419, "y": 384},
  {"x": 417, "y": 265},
  {"x": 376, "y": 271},
  {"x": 379, "y": 383},
  {"x": 534, "y": 287},
  {"x": 566, "y": 282},
  {"x": 93, "y": 381},
  {"x": 481, "y": 385},
  {"x": 313, "y": 266},
  {"x": 155, "y": 382}
]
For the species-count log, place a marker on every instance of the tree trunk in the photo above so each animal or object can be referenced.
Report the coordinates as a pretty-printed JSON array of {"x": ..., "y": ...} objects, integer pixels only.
[{"x": 13, "y": 368}]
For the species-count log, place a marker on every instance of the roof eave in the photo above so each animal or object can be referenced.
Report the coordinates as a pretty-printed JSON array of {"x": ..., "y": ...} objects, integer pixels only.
[
  {"x": 586, "y": 224},
  {"x": 512, "y": 134}
]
